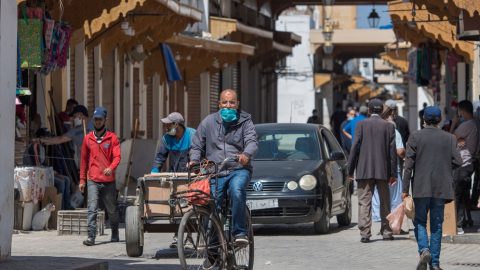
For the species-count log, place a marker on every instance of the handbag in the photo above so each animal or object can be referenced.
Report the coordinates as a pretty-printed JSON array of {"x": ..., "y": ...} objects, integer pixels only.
[
  {"x": 409, "y": 207},
  {"x": 30, "y": 32},
  {"x": 199, "y": 191}
]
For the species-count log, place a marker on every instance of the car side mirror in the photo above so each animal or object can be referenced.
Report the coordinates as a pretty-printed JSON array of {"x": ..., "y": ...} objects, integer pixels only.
[{"x": 337, "y": 155}]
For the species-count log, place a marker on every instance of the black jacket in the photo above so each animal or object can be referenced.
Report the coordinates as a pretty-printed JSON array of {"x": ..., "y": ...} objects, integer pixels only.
[{"x": 431, "y": 156}]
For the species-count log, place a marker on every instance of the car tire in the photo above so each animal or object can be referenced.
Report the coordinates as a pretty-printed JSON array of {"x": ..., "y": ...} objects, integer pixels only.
[
  {"x": 322, "y": 226},
  {"x": 346, "y": 218}
]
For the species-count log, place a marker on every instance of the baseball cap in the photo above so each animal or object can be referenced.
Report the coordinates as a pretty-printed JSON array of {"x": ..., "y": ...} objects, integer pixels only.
[
  {"x": 392, "y": 104},
  {"x": 100, "y": 112},
  {"x": 79, "y": 109},
  {"x": 363, "y": 109},
  {"x": 432, "y": 112},
  {"x": 375, "y": 104},
  {"x": 174, "y": 117}
]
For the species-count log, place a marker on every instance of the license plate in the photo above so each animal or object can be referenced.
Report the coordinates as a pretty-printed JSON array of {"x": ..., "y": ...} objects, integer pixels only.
[{"x": 262, "y": 204}]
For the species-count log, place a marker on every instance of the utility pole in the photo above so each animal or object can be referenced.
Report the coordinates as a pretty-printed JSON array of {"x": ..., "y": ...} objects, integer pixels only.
[{"x": 8, "y": 53}]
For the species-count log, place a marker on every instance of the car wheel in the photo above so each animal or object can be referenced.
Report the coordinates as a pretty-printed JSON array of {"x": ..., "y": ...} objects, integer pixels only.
[
  {"x": 322, "y": 226},
  {"x": 346, "y": 218}
]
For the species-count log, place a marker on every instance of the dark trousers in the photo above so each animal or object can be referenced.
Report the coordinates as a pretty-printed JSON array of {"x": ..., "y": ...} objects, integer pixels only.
[
  {"x": 107, "y": 192},
  {"x": 365, "y": 189},
  {"x": 463, "y": 181}
]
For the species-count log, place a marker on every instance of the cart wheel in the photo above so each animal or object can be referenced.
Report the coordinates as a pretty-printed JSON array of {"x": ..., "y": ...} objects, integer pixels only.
[{"x": 133, "y": 231}]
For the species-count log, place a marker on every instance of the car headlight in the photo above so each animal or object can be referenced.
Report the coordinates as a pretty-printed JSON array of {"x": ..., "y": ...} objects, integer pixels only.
[
  {"x": 292, "y": 185},
  {"x": 308, "y": 182}
]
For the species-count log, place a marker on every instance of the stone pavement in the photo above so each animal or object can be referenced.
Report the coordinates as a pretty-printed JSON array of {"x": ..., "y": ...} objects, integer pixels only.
[{"x": 276, "y": 247}]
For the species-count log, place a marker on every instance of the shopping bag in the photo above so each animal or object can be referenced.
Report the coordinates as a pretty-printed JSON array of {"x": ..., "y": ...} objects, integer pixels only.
[
  {"x": 409, "y": 207},
  {"x": 199, "y": 191},
  {"x": 395, "y": 219}
]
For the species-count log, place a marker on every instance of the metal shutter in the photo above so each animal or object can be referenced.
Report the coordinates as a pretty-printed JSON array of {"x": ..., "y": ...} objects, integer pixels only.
[
  {"x": 90, "y": 82},
  {"x": 72, "y": 72},
  {"x": 136, "y": 96},
  {"x": 214, "y": 91},
  {"x": 149, "y": 83},
  {"x": 194, "y": 106}
]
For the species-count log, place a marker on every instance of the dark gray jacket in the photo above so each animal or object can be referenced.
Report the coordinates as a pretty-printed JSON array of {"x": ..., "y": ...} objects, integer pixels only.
[
  {"x": 374, "y": 153},
  {"x": 216, "y": 141},
  {"x": 431, "y": 156}
]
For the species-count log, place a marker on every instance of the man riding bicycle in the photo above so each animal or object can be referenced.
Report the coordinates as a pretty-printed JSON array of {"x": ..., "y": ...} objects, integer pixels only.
[{"x": 228, "y": 133}]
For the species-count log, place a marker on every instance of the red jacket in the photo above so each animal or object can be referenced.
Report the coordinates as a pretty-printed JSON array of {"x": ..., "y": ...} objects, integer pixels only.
[{"x": 96, "y": 157}]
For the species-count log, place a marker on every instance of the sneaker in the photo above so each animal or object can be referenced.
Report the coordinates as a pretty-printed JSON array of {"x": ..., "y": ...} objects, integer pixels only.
[
  {"x": 89, "y": 242},
  {"x": 425, "y": 259},
  {"x": 241, "y": 240},
  {"x": 460, "y": 231},
  {"x": 115, "y": 237},
  {"x": 174, "y": 243}
]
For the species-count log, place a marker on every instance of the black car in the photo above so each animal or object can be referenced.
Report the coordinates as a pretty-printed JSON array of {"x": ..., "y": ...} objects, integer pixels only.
[{"x": 299, "y": 176}]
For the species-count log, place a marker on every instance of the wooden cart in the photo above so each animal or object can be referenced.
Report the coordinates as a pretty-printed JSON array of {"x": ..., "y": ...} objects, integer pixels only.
[{"x": 153, "y": 210}]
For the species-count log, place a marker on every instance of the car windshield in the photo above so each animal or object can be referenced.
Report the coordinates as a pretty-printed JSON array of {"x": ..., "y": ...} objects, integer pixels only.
[{"x": 287, "y": 145}]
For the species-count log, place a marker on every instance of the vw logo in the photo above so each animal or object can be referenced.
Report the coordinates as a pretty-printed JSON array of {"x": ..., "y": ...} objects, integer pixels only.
[{"x": 257, "y": 186}]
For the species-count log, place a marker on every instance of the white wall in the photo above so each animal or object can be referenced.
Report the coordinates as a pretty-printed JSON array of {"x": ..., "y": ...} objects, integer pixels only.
[
  {"x": 8, "y": 53},
  {"x": 296, "y": 96}
]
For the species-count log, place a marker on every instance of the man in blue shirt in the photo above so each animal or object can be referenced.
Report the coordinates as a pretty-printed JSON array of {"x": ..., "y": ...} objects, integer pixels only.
[{"x": 349, "y": 129}]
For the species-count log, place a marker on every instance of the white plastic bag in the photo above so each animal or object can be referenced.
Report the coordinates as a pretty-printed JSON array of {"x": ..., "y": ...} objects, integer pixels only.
[{"x": 395, "y": 219}]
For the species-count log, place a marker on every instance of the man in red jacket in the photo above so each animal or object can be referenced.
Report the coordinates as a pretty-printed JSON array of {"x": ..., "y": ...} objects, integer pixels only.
[{"x": 100, "y": 157}]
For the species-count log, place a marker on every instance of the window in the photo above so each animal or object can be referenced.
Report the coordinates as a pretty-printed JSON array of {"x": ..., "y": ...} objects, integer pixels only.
[
  {"x": 287, "y": 145},
  {"x": 331, "y": 144}
]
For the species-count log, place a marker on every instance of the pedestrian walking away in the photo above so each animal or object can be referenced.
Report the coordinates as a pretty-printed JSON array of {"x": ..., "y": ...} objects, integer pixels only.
[
  {"x": 373, "y": 159},
  {"x": 430, "y": 159},
  {"x": 174, "y": 147},
  {"x": 395, "y": 189},
  {"x": 100, "y": 159},
  {"x": 229, "y": 133}
]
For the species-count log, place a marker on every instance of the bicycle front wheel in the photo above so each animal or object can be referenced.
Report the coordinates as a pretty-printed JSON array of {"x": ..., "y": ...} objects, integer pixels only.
[
  {"x": 201, "y": 243},
  {"x": 244, "y": 255}
]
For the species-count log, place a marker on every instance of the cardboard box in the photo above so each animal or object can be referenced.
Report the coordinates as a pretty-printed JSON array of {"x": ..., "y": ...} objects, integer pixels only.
[
  {"x": 51, "y": 196},
  {"x": 161, "y": 191},
  {"x": 449, "y": 227}
]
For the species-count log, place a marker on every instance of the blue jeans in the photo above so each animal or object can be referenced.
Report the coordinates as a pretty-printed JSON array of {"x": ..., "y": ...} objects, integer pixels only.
[
  {"x": 436, "y": 207},
  {"x": 108, "y": 193},
  {"x": 235, "y": 184}
]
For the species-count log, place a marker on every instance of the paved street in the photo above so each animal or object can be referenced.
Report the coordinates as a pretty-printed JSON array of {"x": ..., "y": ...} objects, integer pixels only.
[{"x": 277, "y": 247}]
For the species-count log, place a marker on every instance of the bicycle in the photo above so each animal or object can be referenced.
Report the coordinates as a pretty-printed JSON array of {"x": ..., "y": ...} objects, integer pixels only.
[{"x": 204, "y": 235}]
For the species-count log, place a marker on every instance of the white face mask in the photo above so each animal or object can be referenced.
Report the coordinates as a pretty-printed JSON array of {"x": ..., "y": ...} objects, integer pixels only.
[
  {"x": 350, "y": 117},
  {"x": 77, "y": 122},
  {"x": 172, "y": 131}
]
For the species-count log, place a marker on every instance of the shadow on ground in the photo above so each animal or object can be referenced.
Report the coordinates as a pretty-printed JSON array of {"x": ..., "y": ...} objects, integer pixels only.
[
  {"x": 74, "y": 263},
  {"x": 295, "y": 229}
]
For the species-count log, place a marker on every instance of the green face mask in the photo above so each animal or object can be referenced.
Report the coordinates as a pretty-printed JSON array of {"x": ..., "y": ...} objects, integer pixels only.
[{"x": 228, "y": 115}]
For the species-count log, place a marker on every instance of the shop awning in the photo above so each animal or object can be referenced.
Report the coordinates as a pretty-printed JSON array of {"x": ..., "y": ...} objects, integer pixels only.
[
  {"x": 211, "y": 45},
  {"x": 281, "y": 48},
  {"x": 287, "y": 38},
  {"x": 396, "y": 58},
  {"x": 426, "y": 25},
  {"x": 221, "y": 27},
  {"x": 195, "y": 55},
  {"x": 321, "y": 79},
  {"x": 358, "y": 83}
]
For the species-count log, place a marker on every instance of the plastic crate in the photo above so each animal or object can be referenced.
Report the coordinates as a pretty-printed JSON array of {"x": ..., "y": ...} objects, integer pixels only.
[{"x": 74, "y": 222}]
